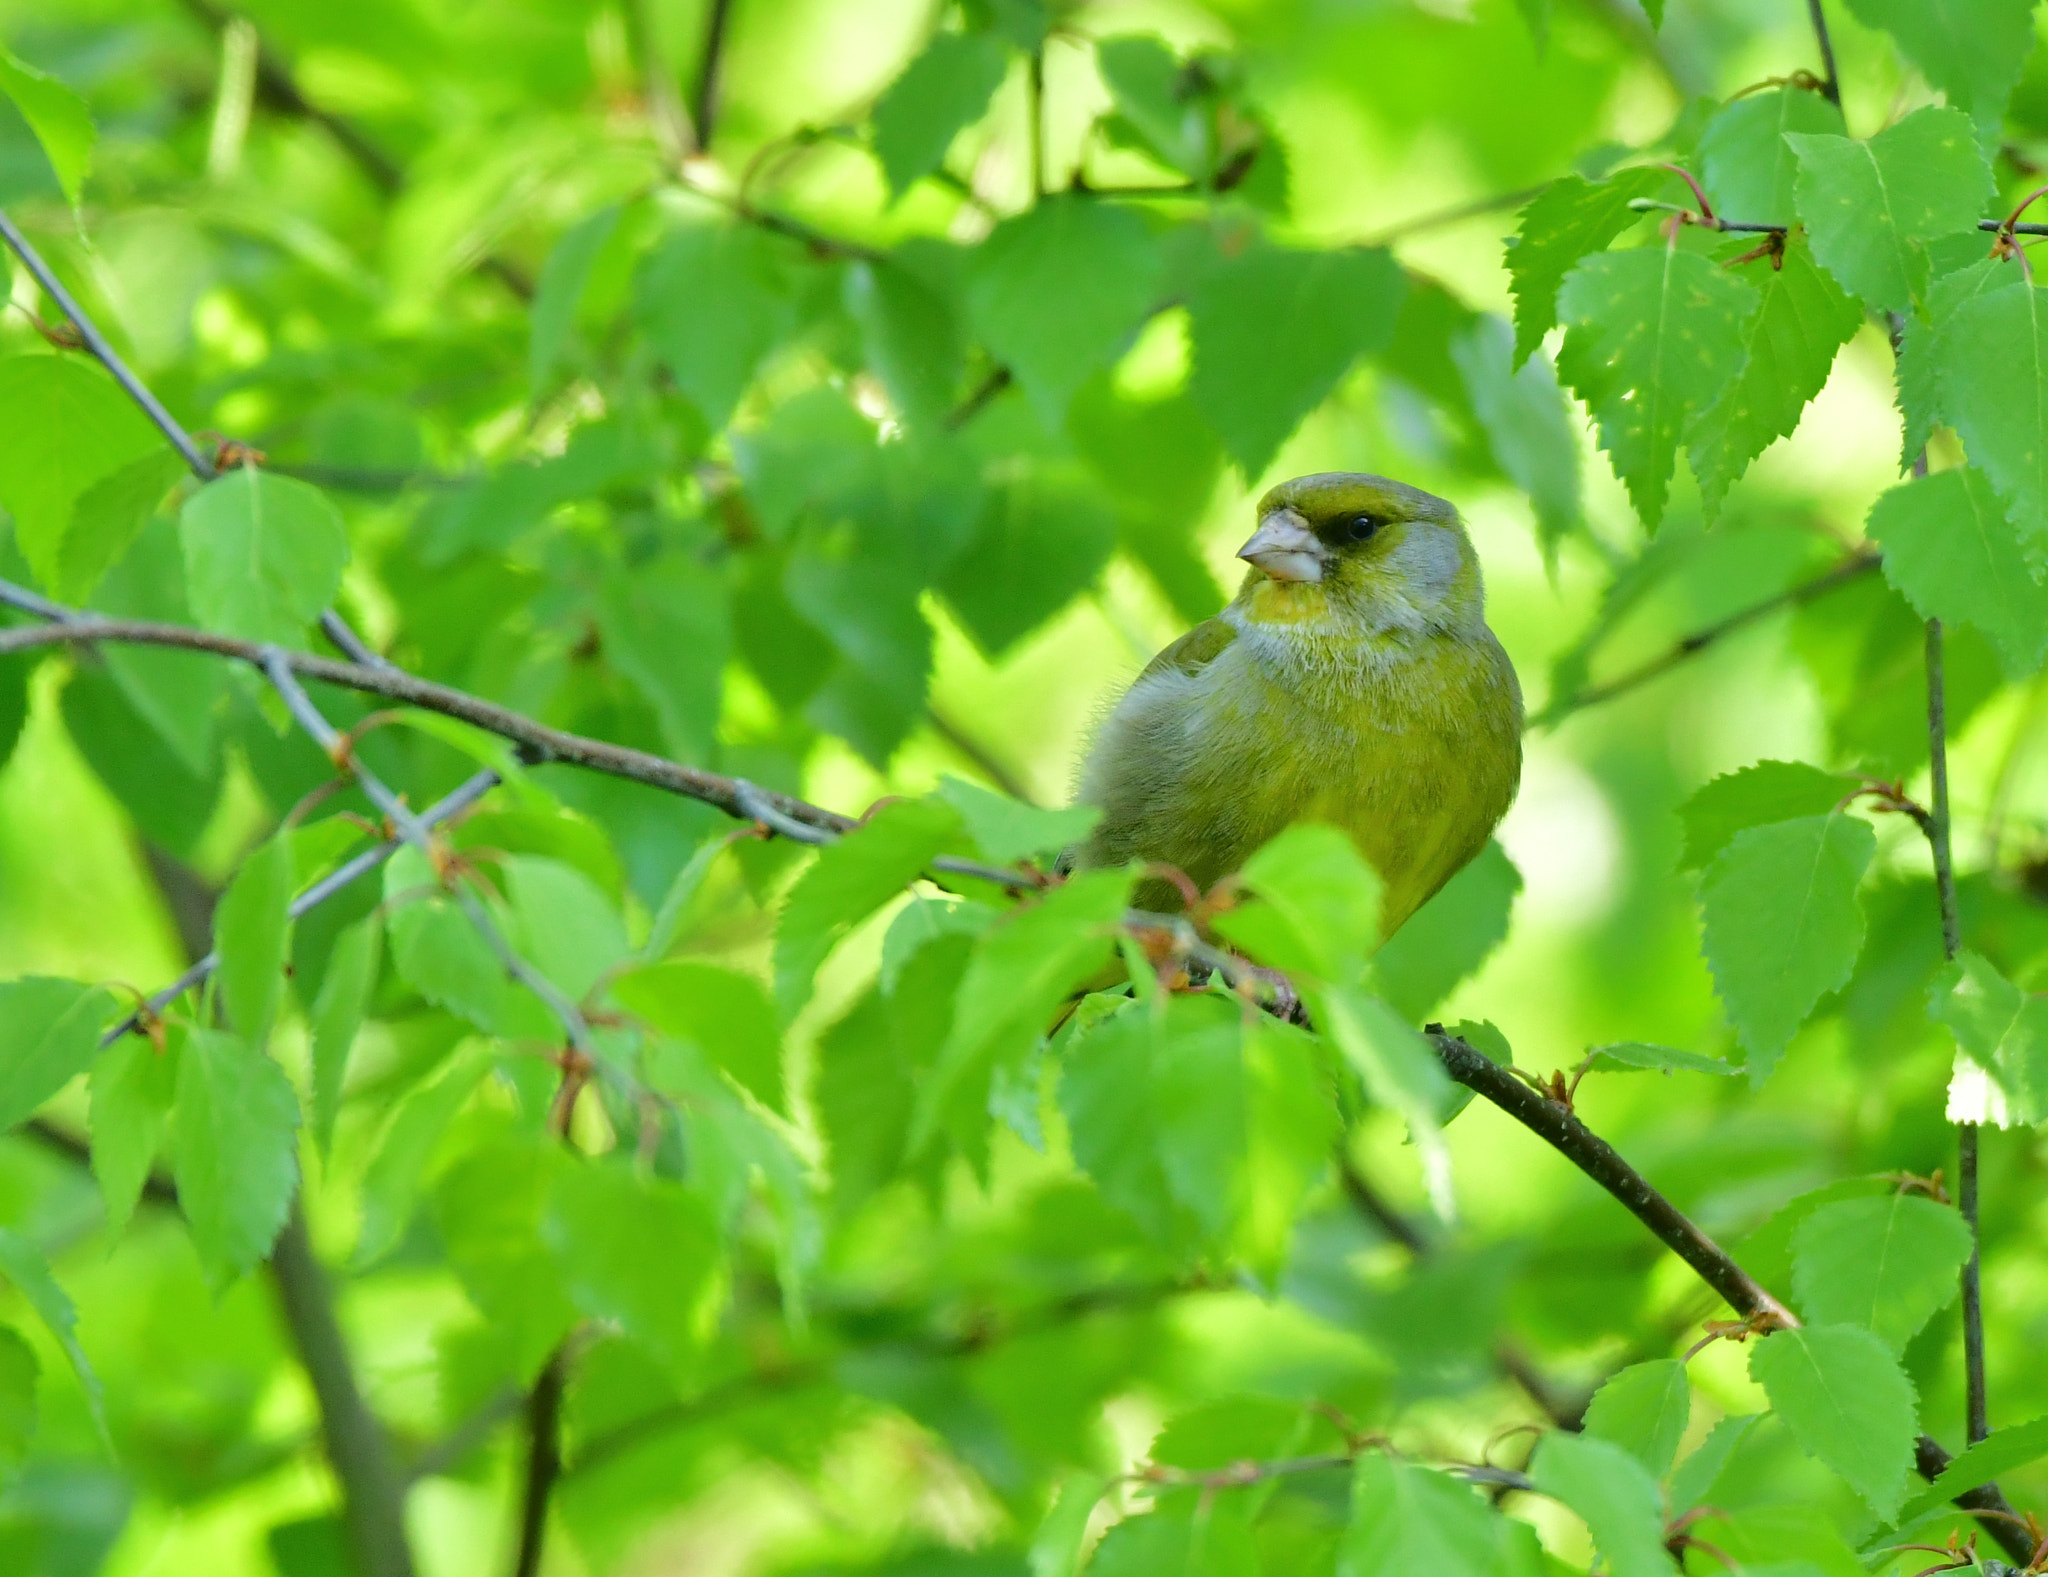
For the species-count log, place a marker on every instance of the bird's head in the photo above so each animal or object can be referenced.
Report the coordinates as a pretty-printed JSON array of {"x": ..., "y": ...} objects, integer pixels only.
[{"x": 1344, "y": 542}]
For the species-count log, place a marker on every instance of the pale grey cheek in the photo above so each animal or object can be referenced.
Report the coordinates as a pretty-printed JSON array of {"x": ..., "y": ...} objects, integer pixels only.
[{"x": 1427, "y": 558}]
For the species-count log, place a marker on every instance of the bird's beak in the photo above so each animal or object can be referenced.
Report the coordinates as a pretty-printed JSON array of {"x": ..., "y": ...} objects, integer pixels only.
[{"x": 1286, "y": 549}]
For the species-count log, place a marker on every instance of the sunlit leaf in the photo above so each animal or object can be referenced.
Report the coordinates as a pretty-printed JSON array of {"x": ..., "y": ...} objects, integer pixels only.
[
  {"x": 1888, "y": 1265},
  {"x": 942, "y": 91},
  {"x": 1570, "y": 219},
  {"x": 58, "y": 117},
  {"x": 1615, "y": 1494},
  {"x": 49, "y": 1030},
  {"x": 1841, "y": 1393},
  {"x": 1643, "y": 1409},
  {"x": 263, "y": 555},
  {"x": 234, "y": 1150}
]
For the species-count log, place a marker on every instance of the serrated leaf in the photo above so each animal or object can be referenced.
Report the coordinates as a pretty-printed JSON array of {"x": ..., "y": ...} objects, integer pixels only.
[
  {"x": 1641, "y": 1055},
  {"x": 391, "y": 1182},
  {"x": 728, "y": 1015},
  {"x": 1746, "y": 165},
  {"x": 1407, "y": 1519},
  {"x": 1318, "y": 909},
  {"x": 1528, "y": 424},
  {"x": 1005, "y": 829},
  {"x": 713, "y": 355},
  {"x": 568, "y": 928},
  {"x": 1652, "y": 337},
  {"x": 263, "y": 555},
  {"x": 1274, "y": 331},
  {"x": 1643, "y": 1409},
  {"x": 49, "y": 1031},
  {"x": 1998, "y": 1453},
  {"x": 1842, "y": 1394},
  {"x": 1950, "y": 549},
  {"x": 132, "y": 1088},
  {"x": 1698, "y": 1473},
  {"x": 2002, "y": 415},
  {"x": 2001, "y": 1028},
  {"x": 1919, "y": 362},
  {"x": 1888, "y": 1265},
  {"x": 1972, "y": 50},
  {"x": 252, "y": 929},
  {"x": 563, "y": 279},
  {"x": 1872, "y": 207},
  {"x": 22, "y": 1263},
  {"x": 943, "y": 91},
  {"x": 1055, "y": 291},
  {"x": 57, "y": 116},
  {"x": 234, "y": 1151},
  {"x": 1783, "y": 926},
  {"x": 1571, "y": 218},
  {"x": 850, "y": 880},
  {"x": 1614, "y": 1495},
  {"x": 1788, "y": 349},
  {"x": 337, "y": 1018},
  {"x": 1754, "y": 797},
  {"x": 1450, "y": 936}
]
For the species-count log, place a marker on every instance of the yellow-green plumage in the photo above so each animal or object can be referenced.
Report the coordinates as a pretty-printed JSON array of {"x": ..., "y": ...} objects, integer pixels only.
[{"x": 1352, "y": 681}]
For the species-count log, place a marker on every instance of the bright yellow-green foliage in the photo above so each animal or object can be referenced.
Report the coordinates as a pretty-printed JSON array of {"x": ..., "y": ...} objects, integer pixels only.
[{"x": 1352, "y": 680}]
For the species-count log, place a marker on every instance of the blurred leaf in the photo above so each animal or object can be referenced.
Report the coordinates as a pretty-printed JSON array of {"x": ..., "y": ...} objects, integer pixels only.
[
  {"x": 912, "y": 337},
  {"x": 562, "y": 282},
  {"x": 263, "y": 555},
  {"x": 132, "y": 1088},
  {"x": 171, "y": 803},
  {"x": 1006, "y": 829},
  {"x": 1275, "y": 330},
  {"x": 1888, "y": 1265},
  {"x": 488, "y": 1208},
  {"x": 58, "y": 117},
  {"x": 252, "y": 929},
  {"x": 436, "y": 949},
  {"x": 391, "y": 1182},
  {"x": 1627, "y": 1055},
  {"x": 49, "y": 1033},
  {"x": 1318, "y": 904},
  {"x": 1872, "y": 207},
  {"x": 1783, "y": 924},
  {"x": 1060, "y": 1540},
  {"x": 1841, "y": 1393},
  {"x": 177, "y": 693},
  {"x": 1653, "y": 336},
  {"x": 1527, "y": 422},
  {"x": 945, "y": 89},
  {"x": 568, "y": 928},
  {"x": 1698, "y": 1473},
  {"x": 664, "y": 626},
  {"x": 19, "y": 1372},
  {"x": 1147, "y": 84},
  {"x": 728, "y": 1015},
  {"x": 1990, "y": 1458},
  {"x": 2001, "y": 1028},
  {"x": 1788, "y": 349},
  {"x": 875, "y": 693},
  {"x": 1570, "y": 219},
  {"x": 713, "y": 355},
  {"x": 1400, "y": 1070},
  {"x": 1971, "y": 50},
  {"x": 1042, "y": 539},
  {"x": 1055, "y": 292},
  {"x": 1643, "y": 1409},
  {"x": 1450, "y": 936},
  {"x": 1766, "y": 792},
  {"x": 1613, "y": 1493},
  {"x": 1744, "y": 161},
  {"x": 1406, "y": 1519},
  {"x": 23, "y": 1264},
  {"x": 1950, "y": 549},
  {"x": 234, "y": 1151},
  {"x": 14, "y": 678},
  {"x": 107, "y": 517},
  {"x": 69, "y": 426},
  {"x": 2003, "y": 420},
  {"x": 337, "y": 1018},
  {"x": 1291, "y": 1125}
]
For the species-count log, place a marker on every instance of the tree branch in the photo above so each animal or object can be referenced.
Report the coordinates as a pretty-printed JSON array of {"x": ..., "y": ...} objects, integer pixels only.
[
  {"x": 543, "y": 1460},
  {"x": 704, "y": 97},
  {"x": 1830, "y": 85}
]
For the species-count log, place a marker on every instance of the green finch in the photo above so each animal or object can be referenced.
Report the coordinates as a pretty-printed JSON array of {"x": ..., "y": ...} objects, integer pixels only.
[{"x": 1352, "y": 681}]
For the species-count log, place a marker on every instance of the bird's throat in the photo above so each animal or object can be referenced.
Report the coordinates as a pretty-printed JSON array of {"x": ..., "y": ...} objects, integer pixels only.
[{"x": 1288, "y": 602}]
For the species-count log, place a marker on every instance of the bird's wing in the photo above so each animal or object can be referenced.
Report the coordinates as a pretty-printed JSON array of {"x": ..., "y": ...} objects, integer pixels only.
[{"x": 1194, "y": 651}]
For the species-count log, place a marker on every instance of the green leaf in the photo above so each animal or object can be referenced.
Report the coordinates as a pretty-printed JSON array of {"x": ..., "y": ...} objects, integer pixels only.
[
  {"x": 1528, "y": 423},
  {"x": 1613, "y": 1493},
  {"x": 1043, "y": 538},
  {"x": 942, "y": 92},
  {"x": 13, "y": 707},
  {"x": 1399, "y": 1067},
  {"x": 1918, "y": 362},
  {"x": 1643, "y": 1409},
  {"x": 252, "y": 929},
  {"x": 911, "y": 335},
  {"x": 1407, "y": 1519},
  {"x": 644, "y": 1254},
  {"x": 1151, "y": 92},
  {"x": 2001, "y": 1028},
  {"x": 107, "y": 517},
  {"x": 234, "y": 1151},
  {"x": 568, "y": 928},
  {"x": 664, "y": 626},
  {"x": 488, "y": 1207},
  {"x": 1291, "y": 1124},
  {"x": 1888, "y": 1265},
  {"x": 1055, "y": 292},
  {"x": 1972, "y": 50},
  {"x": 1697, "y": 1474},
  {"x": 1450, "y": 936},
  {"x": 19, "y": 1372},
  {"x": 1275, "y": 329},
  {"x": 2003, "y": 418},
  {"x": 869, "y": 608},
  {"x": 1872, "y": 207},
  {"x": 69, "y": 427},
  {"x": 1767, "y": 792},
  {"x": 1653, "y": 336},
  {"x": 1318, "y": 909},
  {"x": 337, "y": 1018},
  {"x": 177, "y": 693},
  {"x": 263, "y": 555},
  {"x": 1571, "y": 218},
  {"x": 1950, "y": 549},
  {"x": 49, "y": 1031},
  {"x": 132, "y": 1087},
  {"x": 1641, "y": 1055},
  {"x": 1746, "y": 165},
  {"x": 23, "y": 1264},
  {"x": 563, "y": 280},
  {"x": 713, "y": 355},
  {"x": 1996, "y": 1454},
  {"x": 1005, "y": 829},
  {"x": 391, "y": 1182},
  {"x": 58, "y": 117},
  {"x": 729, "y": 1016},
  {"x": 849, "y": 881},
  {"x": 1842, "y": 1394},
  {"x": 1783, "y": 925},
  {"x": 1058, "y": 1544},
  {"x": 1788, "y": 348}
]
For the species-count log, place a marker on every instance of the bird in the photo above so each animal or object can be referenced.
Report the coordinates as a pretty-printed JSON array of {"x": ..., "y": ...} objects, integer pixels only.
[{"x": 1352, "y": 680}]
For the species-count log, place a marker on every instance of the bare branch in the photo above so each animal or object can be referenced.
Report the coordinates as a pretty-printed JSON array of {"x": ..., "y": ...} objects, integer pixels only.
[{"x": 543, "y": 1460}]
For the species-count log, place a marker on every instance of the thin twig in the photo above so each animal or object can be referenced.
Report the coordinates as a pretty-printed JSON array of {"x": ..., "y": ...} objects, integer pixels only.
[
  {"x": 1830, "y": 85},
  {"x": 704, "y": 97},
  {"x": 543, "y": 1460},
  {"x": 452, "y": 1449},
  {"x": 1438, "y": 218}
]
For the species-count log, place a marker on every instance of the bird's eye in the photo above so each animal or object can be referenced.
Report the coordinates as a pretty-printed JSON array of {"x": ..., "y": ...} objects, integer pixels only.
[{"x": 1359, "y": 528}]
